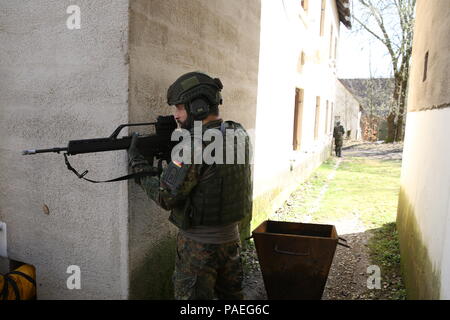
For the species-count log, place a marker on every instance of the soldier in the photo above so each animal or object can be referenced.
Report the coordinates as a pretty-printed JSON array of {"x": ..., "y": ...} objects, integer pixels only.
[
  {"x": 338, "y": 135},
  {"x": 207, "y": 201}
]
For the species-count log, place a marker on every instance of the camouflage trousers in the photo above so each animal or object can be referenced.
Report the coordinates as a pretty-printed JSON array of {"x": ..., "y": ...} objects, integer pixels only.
[
  {"x": 338, "y": 147},
  {"x": 207, "y": 271}
]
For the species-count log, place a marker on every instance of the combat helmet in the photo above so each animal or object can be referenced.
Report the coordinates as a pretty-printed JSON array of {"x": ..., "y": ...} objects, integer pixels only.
[{"x": 198, "y": 92}]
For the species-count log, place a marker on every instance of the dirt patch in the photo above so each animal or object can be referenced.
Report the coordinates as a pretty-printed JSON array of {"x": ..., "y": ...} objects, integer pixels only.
[
  {"x": 253, "y": 281},
  {"x": 348, "y": 274}
]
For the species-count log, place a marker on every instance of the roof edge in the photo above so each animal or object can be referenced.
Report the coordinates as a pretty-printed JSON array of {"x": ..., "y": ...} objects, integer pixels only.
[{"x": 343, "y": 7}]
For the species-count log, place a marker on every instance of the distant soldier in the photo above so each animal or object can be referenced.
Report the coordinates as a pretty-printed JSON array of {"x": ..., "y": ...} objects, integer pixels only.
[{"x": 338, "y": 135}]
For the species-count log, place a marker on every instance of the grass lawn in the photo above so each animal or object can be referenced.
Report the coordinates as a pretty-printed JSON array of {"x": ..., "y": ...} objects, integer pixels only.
[{"x": 362, "y": 187}]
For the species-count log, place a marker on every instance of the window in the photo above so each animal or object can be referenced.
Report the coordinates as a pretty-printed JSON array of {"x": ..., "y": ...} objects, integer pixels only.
[
  {"x": 331, "y": 43},
  {"x": 425, "y": 67},
  {"x": 301, "y": 62},
  {"x": 322, "y": 17},
  {"x": 331, "y": 118},
  {"x": 304, "y": 5},
  {"x": 335, "y": 47},
  {"x": 298, "y": 114},
  {"x": 317, "y": 118}
]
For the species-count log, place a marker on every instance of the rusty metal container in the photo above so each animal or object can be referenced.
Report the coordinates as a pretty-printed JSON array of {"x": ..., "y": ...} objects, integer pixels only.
[{"x": 295, "y": 258}]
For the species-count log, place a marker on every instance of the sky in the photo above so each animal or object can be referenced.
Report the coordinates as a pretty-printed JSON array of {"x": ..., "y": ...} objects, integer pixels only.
[{"x": 360, "y": 54}]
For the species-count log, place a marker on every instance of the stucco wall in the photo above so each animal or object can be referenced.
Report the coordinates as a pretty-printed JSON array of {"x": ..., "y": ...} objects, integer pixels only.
[
  {"x": 286, "y": 31},
  {"x": 424, "y": 205},
  {"x": 167, "y": 39},
  {"x": 347, "y": 109},
  {"x": 56, "y": 85},
  {"x": 430, "y": 35}
]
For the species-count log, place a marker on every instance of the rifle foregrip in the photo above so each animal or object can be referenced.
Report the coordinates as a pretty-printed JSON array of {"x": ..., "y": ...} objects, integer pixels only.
[
  {"x": 97, "y": 145},
  {"x": 148, "y": 146}
]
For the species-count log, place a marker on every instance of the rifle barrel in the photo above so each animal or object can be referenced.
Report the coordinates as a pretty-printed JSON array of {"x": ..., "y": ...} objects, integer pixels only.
[{"x": 34, "y": 151}]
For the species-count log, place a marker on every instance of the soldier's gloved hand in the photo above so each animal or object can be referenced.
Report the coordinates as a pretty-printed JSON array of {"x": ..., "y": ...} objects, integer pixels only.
[{"x": 135, "y": 159}]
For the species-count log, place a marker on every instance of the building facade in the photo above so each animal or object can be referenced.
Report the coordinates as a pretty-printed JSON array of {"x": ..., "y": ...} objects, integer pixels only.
[
  {"x": 296, "y": 96},
  {"x": 423, "y": 219},
  {"x": 348, "y": 112}
]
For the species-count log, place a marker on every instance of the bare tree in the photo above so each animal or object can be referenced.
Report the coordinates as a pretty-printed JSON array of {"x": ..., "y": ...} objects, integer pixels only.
[
  {"x": 375, "y": 97},
  {"x": 392, "y": 23}
]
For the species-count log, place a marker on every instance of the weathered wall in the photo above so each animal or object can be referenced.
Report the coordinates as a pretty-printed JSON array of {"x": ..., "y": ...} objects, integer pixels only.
[
  {"x": 347, "y": 109},
  {"x": 286, "y": 31},
  {"x": 56, "y": 85},
  {"x": 424, "y": 204},
  {"x": 167, "y": 39}
]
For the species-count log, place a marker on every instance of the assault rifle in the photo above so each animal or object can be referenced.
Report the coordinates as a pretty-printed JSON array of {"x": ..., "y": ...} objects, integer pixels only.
[{"x": 154, "y": 146}]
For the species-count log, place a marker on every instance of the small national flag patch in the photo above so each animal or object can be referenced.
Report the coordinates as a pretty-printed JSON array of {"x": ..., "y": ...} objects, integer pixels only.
[{"x": 177, "y": 163}]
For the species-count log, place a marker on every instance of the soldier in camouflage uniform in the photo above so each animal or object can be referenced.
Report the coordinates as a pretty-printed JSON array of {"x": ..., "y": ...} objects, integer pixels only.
[
  {"x": 207, "y": 201},
  {"x": 338, "y": 135}
]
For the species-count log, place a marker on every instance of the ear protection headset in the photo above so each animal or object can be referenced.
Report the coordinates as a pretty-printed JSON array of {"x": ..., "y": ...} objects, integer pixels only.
[
  {"x": 203, "y": 97},
  {"x": 199, "y": 108}
]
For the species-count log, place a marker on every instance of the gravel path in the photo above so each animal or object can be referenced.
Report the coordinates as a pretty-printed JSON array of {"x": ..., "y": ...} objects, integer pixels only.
[
  {"x": 378, "y": 151},
  {"x": 348, "y": 274}
]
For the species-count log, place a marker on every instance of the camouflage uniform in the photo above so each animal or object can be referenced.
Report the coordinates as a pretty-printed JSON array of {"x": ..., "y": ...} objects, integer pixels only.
[
  {"x": 202, "y": 270},
  {"x": 205, "y": 271},
  {"x": 338, "y": 135}
]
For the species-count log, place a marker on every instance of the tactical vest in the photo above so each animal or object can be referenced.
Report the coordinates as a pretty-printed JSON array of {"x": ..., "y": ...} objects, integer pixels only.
[
  {"x": 224, "y": 191},
  {"x": 338, "y": 132}
]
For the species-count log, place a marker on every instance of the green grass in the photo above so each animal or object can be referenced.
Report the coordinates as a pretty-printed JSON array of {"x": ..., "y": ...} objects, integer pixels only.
[
  {"x": 365, "y": 188},
  {"x": 384, "y": 252},
  {"x": 305, "y": 196},
  {"x": 384, "y": 245}
]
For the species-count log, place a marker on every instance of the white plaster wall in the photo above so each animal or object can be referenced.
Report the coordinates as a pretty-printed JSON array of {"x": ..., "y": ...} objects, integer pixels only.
[
  {"x": 285, "y": 31},
  {"x": 56, "y": 85},
  {"x": 445, "y": 265},
  {"x": 426, "y": 181},
  {"x": 426, "y": 170}
]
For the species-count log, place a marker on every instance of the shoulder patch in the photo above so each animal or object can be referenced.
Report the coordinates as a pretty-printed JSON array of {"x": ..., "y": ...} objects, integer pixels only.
[
  {"x": 177, "y": 163},
  {"x": 174, "y": 175}
]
